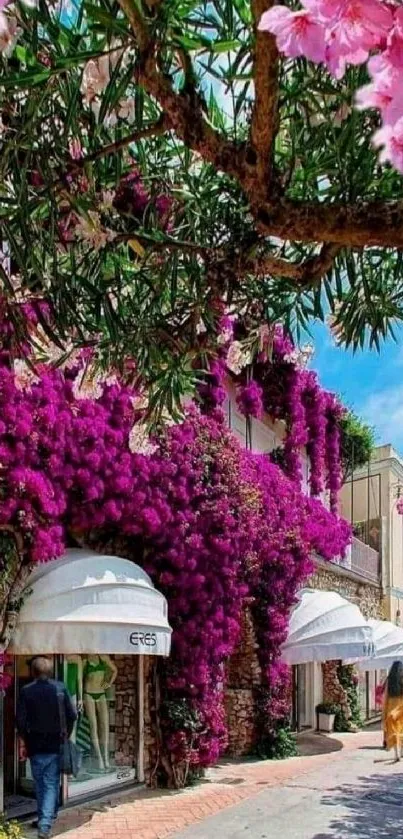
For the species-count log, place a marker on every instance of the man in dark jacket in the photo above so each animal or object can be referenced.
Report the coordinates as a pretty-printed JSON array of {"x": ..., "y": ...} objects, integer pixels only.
[{"x": 39, "y": 725}]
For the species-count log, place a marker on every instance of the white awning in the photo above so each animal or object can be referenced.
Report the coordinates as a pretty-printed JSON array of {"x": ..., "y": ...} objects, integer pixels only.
[
  {"x": 90, "y": 603},
  {"x": 388, "y": 640},
  {"x": 324, "y": 627}
]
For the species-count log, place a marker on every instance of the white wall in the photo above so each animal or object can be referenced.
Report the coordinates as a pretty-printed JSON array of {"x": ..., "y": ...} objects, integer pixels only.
[{"x": 265, "y": 436}]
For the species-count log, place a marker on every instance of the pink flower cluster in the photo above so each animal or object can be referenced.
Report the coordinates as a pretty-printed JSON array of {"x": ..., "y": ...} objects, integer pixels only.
[
  {"x": 249, "y": 399},
  {"x": 338, "y": 33},
  {"x": 312, "y": 415},
  {"x": 133, "y": 198},
  {"x": 286, "y": 530}
]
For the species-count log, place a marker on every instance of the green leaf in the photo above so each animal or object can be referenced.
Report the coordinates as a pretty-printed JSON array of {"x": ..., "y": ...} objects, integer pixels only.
[{"x": 218, "y": 47}]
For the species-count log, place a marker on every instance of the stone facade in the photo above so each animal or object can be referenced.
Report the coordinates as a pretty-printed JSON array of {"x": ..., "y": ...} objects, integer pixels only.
[
  {"x": 366, "y": 595},
  {"x": 333, "y": 691},
  {"x": 243, "y": 675},
  {"x": 240, "y": 714},
  {"x": 126, "y": 710},
  {"x": 150, "y": 740}
]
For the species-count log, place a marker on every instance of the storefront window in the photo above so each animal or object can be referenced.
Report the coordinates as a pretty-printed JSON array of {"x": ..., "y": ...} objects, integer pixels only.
[{"x": 103, "y": 689}]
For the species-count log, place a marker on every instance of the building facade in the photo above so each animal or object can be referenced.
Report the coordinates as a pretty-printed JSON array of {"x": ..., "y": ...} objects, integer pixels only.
[
  {"x": 116, "y": 730},
  {"x": 357, "y": 578},
  {"x": 369, "y": 500}
]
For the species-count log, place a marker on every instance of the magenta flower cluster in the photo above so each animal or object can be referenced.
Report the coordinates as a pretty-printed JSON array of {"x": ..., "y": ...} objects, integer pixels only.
[
  {"x": 287, "y": 391},
  {"x": 133, "y": 198},
  {"x": 219, "y": 528},
  {"x": 249, "y": 399}
]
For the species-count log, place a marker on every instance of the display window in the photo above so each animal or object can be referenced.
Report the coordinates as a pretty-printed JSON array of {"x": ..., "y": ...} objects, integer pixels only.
[{"x": 104, "y": 690}]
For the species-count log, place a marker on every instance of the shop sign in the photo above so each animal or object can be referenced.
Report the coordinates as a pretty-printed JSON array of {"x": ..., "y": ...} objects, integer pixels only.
[{"x": 143, "y": 639}]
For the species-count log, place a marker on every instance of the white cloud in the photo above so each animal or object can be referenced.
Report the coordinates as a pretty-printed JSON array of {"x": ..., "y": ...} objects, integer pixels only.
[{"x": 384, "y": 410}]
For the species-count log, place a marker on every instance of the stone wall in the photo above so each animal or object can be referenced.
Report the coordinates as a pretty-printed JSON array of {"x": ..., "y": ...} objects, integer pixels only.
[
  {"x": 333, "y": 691},
  {"x": 243, "y": 674},
  {"x": 240, "y": 714},
  {"x": 150, "y": 740},
  {"x": 367, "y": 596},
  {"x": 126, "y": 710}
]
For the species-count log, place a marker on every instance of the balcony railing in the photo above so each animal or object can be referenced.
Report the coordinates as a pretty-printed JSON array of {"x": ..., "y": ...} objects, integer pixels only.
[{"x": 363, "y": 560}]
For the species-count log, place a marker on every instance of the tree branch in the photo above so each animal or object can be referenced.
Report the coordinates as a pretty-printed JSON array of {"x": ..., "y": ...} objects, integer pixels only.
[
  {"x": 137, "y": 23},
  {"x": 346, "y": 225},
  {"x": 183, "y": 109},
  {"x": 188, "y": 121},
  {"x": 156, "y": 130},
  {"x": 265, "y": 111},
  {"x": 365, "y": 223},
  {"x": 305, "y": 274}
]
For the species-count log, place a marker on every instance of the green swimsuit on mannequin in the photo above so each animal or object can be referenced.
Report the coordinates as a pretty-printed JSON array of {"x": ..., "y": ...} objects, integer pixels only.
[{"x": 98, "y": 667}]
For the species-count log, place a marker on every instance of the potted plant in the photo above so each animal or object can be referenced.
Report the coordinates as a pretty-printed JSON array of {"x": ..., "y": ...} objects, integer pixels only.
[{"x": 326, "y": 712}]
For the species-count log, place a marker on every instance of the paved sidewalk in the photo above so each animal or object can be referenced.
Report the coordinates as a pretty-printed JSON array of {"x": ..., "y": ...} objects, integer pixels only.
[{"x": 149, "y": 814}]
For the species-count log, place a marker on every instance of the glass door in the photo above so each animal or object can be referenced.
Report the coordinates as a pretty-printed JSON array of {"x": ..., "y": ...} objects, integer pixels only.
[
  {"x": 302, "y": 696},
  {"x": 19, "y": 796}
]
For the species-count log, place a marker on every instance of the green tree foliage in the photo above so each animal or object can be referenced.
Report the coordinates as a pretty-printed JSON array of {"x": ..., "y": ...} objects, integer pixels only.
[
  {"x": 275, "y": 204},
  {"x": 357, "y": 443}
]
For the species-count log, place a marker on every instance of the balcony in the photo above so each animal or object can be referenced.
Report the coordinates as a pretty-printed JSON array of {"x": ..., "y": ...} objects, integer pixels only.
[{"x": 363, "y": 560}]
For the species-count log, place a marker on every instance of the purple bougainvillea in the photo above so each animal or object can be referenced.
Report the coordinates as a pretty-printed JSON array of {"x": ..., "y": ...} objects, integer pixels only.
[
  {"x": 249, "y": 399},
  {"x": 220, "y": 527}
]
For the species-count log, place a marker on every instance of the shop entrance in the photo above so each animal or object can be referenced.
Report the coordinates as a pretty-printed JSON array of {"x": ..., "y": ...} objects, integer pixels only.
[
  {"x": 19, "y": 799},
  {"x": 307, "y": 692}
]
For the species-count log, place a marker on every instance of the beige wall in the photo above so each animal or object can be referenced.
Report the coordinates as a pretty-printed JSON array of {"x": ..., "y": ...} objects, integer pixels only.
[{"x": 358, "y": 504}]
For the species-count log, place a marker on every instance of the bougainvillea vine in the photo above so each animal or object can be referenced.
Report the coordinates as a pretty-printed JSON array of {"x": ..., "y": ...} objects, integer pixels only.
[{"x": 218, "y": 528}]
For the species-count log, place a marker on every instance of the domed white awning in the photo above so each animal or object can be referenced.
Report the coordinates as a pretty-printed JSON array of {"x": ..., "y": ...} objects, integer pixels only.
[
  {"x": 388, "y": 640},
  {"x": 325, "y": 627},
  {"x": 85, "y": 602}
]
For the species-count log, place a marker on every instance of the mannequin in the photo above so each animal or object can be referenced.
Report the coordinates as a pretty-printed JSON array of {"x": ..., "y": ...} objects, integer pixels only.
[
  {"x": 74, "y": 684},
  {"x": 99, "y": 674}
]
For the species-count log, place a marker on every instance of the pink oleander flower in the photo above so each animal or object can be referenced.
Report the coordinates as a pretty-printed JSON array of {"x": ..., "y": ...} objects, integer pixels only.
[
  {"x": 139, "y": 440},
  {"x": 390, "y": 139},
  {"x": 75, "y": 149},
  {"x": 95, "y": 79},
  {"x": 296, "y": 32},
  {"x": 87, "y": 385},
  {"x": 126, "y": 109},
  {"x": 24, "y": 375},
  {"x": 90, "y": 231},
  {"x": 394, "y": 52},
  {"x": 9, "y": 33},
  {"x": 237, "y": 357},
  {"x": 341, "y": 33}
]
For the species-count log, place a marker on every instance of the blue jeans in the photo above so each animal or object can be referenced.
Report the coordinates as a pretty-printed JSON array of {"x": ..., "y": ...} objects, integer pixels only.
[{"x": 46, "y": 774}]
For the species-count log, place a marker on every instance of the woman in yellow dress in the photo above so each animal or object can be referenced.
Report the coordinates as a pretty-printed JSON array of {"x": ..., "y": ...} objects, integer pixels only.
[{"x": 393, "y": 709}]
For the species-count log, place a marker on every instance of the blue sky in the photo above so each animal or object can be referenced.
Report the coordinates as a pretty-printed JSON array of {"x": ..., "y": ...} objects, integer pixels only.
[{"x": 369, "y": 383}]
